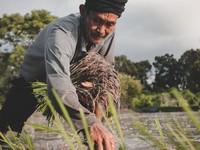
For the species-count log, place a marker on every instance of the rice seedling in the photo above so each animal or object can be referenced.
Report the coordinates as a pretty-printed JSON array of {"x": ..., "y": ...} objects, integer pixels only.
[
  {"x": 173, "y": 137},
  {"x": 101, "y": 79},
  {"x": 15, "y": 142},
  {"x": 27, "y": 143},
  {"x": 104, "y": 81}
]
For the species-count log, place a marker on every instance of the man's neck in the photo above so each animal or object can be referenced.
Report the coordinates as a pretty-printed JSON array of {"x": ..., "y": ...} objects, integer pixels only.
[{"x": 88, "y": 45}]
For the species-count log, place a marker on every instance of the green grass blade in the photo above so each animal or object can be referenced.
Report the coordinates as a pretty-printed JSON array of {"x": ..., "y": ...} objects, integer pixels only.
[
  {"x": 7, "y": 141},
  {"x": 29, "y": 140},
  {"x": 187, "y": 140},
  {"x": 178, "y": 138},
  {"x": 149, "y": 135},
  {"x": 183, "y": 135},
  {"x": 60, "y": 126},
  {"x": 108, "y": 123},
  {"x": 183, "y": 103},
  {"x": 86, "y": 130},
  {"x": 116, "y": 120},
  {"x": 43, "y": 128},
  {"x": 160, "y": 131},
  {"x": 68, "y": 119},
  {"x": 174, "y": 142}
]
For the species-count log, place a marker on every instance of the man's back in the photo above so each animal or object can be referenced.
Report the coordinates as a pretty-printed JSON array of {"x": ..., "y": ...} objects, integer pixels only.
[{"x": 33, "y": 67}]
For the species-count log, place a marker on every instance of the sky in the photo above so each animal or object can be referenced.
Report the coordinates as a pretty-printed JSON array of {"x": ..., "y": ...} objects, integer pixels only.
[{"x": 147, "y": 28}]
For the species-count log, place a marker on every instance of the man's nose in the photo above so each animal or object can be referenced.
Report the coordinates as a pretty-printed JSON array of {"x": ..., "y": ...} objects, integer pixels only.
[{"x": 101, "y": 29}]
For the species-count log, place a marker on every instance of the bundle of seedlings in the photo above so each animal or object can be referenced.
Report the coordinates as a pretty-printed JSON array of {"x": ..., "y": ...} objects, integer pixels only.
[{"x": 95, "y": 81}]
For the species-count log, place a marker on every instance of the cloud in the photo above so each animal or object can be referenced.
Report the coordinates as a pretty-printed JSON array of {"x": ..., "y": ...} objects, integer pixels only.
[
  {"x": 154, "y": 27},
  {"x": 147, "y": 28},
  {"x": 57, "y": 7}
]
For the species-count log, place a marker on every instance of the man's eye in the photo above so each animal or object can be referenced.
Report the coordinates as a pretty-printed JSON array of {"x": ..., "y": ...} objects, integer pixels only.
[
  {"x": 97, "y": 20},
  {"x": 110, "y": 24}
]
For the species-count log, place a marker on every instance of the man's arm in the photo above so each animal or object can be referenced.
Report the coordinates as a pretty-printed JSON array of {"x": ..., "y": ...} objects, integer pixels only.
[{"x": 59, "y": 52}]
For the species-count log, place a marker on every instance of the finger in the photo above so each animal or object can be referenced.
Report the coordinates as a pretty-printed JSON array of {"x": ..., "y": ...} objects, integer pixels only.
[
  {"x": 109, "y": 143},
  {"x": 100, "y": 144},
  {"x": 113, "y": 146},
  {"x": 95, "y": 146}
]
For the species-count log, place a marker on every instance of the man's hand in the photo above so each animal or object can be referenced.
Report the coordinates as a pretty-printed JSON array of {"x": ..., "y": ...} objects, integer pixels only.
[{"x": 102, "y": 138}]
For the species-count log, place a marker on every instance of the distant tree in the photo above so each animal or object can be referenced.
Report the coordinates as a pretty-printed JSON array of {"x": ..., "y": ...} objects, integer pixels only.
[
  {"x": 143, "y": 69},
  {"x": 17, "y": 32},
  {"x": 166, "y": 72},
  {"x": 189, "y": 96},
  {"x": 195, "y": 74},
  {"x": 130, "y": 88},
  {"x": 4, "y": 58},
  {"x": 189, "y": 73},
  {"x": 16, "y": 29},
  {"x": 138, "y": 70},
  {"x": 124, "y": 65}
]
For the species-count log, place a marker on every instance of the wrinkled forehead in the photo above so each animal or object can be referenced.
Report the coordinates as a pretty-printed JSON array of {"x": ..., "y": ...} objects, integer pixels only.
[{"x": 103, "y": 15}]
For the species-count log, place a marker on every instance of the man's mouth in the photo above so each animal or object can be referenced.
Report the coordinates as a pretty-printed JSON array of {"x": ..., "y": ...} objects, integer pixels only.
[{"x": 98, "y": 36}]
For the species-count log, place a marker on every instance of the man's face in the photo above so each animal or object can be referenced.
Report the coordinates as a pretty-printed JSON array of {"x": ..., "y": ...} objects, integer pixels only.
[{"x": 98, "y": 25}]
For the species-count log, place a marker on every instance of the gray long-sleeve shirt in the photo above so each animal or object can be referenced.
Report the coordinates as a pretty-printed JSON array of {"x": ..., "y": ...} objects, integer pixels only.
[{"x": 48, "y": 60}]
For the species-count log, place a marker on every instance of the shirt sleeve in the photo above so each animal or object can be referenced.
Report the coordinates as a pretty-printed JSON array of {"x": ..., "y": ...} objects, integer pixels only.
[{"x": 59, "y": 51}]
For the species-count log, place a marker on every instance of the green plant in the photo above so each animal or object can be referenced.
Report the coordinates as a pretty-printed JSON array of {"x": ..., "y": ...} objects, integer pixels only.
[
  {"x": 17, "y": 142},
  {"x": 130, "y": 88},
  {"x": 173, "y": 137},
  {"x": 25, "y": 141}
]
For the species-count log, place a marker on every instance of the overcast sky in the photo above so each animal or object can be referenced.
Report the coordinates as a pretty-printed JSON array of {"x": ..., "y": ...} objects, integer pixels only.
[{"x": 147, "y": 28}]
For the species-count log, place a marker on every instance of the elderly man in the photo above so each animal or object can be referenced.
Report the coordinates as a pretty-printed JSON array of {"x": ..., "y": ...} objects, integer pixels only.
[{"x": 48, "y": 59}]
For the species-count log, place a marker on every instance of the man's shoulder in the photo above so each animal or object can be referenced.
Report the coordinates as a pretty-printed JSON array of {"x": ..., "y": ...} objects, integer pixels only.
[
  {"x": 70, "y": 17},
  {"x": 69, "y": 23}
]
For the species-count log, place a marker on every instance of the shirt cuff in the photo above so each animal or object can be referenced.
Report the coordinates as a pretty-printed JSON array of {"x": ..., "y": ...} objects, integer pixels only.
[{"x": 90, "y": 118}]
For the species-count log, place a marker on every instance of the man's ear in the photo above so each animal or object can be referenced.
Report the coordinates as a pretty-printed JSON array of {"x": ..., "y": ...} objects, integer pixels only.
[{"x": 82, "y": 9}]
